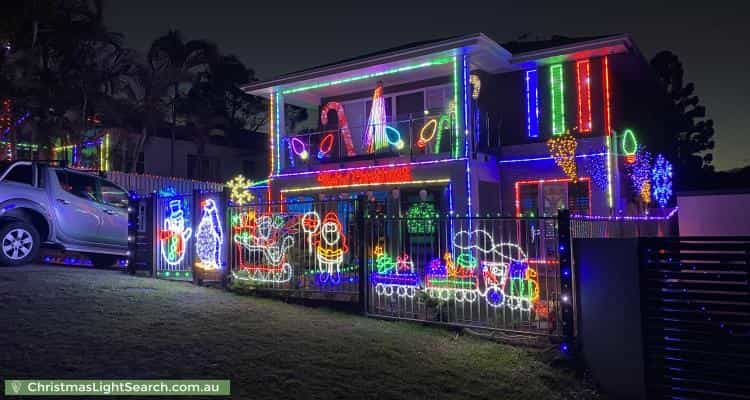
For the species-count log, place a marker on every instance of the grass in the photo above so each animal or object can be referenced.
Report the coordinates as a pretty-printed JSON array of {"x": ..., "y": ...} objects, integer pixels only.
[{"x": 58, "y": 322}]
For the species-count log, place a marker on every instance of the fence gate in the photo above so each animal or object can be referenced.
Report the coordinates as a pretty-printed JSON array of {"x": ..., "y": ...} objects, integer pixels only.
[
  {"x": 500, "y": 273},
  {"x": 696, "y": 317}
]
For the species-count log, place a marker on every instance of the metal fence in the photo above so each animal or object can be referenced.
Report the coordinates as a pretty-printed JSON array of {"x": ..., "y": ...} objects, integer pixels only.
[
  {"x": 145, "y": 184},
  {"x": 303, "y": 249},
  {"x": 500, "y": 273},
  {"x": 582, "y": 226}
]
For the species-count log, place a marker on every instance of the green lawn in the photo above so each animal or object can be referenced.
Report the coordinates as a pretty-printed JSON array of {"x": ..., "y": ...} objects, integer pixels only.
[{"x": 59, "y": 322}]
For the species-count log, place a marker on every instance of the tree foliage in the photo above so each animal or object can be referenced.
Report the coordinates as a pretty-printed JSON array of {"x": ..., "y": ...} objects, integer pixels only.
[
  {"x": 688, "y": 136},
  {"x": 60, "y": 63}
]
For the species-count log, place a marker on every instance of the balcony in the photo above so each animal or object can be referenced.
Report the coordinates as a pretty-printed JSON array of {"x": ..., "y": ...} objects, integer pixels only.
[{"x": 431, "y": 135}]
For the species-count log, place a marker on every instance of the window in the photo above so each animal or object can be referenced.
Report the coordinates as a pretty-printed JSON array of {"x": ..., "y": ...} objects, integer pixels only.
[
  {"x": 112, "y": 195},
  {"x": 21, "y": 173},
  {"x": 203, "y": 168},
  {"x": 83, "y": 186}
]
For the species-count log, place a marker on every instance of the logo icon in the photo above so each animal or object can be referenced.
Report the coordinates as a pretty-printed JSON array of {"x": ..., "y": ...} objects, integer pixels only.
[{"x": 16, "y": 386}]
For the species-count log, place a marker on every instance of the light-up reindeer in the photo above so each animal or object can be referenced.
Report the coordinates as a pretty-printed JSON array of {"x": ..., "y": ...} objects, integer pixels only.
[{"x": 174, "y": 235}]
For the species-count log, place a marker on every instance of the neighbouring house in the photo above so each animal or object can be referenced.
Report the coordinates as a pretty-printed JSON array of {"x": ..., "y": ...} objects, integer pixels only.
[
  {"x": 473, "y": 126},
  {"x": 714, "y": 212},
  {"x": 220, "y": 156}
]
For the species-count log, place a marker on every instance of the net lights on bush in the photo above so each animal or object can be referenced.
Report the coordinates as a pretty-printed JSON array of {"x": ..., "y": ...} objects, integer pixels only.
[
  {"x": 421, "y": 218},
  {"x": 661, "y": 180},
  {"x": 640, "y": 174},
  {"x": 239, "y": 190},
  {"x": 563, "y": 151},
  {"x": 209, "y": 237},
  {"x": 174, "y": 236}
]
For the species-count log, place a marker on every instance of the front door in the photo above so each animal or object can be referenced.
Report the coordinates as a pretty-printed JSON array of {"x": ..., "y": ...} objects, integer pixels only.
[{"x": 76, "y": 210}]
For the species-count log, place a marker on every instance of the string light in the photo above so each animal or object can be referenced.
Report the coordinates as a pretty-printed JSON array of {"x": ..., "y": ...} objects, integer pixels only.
[
  {"x": 431, "y": 128},
  {"x": 607, "y": 100},
  {"x": 299, "y": 148},
  {"x": 563, "y": 151},
  {"x": 350, "y": 169},
  {"x": 421, "y": 218},
  {"x": 209, "y": 237},
  {"x": 375, "y": 134},
  {"x": 364, "y": 185},
  {"x": 330, "y": 246},
  {"x": 661, "y": 179},
  {"x": 669, "y": 216},
  {"x": 436, "y": 61},
  {"x": 346, "y": 134},
  {"x": 175, "y": 234},
  {"x": 239, "y": 193},
  {"x": 548, "y": 158},
  {"x": 394, "y": 277},
  {"x": 455, "y": 108},
  {"x": 557, "y": 99},
  {"x": 629, "y": 145},
  {"x": 267, "y": 239},
  {"x": 393, "y": 136},
  {"x": 532, "y": 104},
  {"x": 583, "y": 84},
  {"x": 476, "y": 84},
  {"x": 362, "y": 176},
  {"x": 442, "y": 122},
  {"x": 610, "y": 196},
  {"x": 325, "y": 146}
]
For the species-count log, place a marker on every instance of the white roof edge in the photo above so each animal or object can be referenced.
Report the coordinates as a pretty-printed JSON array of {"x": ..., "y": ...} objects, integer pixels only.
[
  {"x": 448, "y": 44},
  {"x": 622, "y": 39}
]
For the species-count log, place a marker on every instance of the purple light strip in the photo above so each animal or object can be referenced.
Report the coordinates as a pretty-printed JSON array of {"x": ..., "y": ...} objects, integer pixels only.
[
  {"x": 369, "y": 167},
  {"x": 549, "y": 158},
  {"x": 627, "y": 218}
]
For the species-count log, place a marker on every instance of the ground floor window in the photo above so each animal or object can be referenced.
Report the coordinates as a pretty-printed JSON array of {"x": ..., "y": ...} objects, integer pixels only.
[{"x": 543, "y": 198}]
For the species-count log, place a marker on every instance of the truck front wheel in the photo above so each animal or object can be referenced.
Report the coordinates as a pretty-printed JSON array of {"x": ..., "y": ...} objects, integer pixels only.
[{"x": 19, "y": 243}]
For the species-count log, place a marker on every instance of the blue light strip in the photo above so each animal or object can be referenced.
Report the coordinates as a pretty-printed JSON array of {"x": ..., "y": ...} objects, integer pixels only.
[
  {"x": 532, "y": 104},
  {"x": 465, "y": 77},
  {"x": 519, "y": 160}
]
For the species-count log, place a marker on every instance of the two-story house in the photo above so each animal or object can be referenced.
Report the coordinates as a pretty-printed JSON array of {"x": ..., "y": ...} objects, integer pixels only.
[{"x": 465, "y": 123}]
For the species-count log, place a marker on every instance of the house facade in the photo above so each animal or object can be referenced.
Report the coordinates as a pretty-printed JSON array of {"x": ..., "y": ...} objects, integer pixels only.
[{"x": 523, "y": 129}]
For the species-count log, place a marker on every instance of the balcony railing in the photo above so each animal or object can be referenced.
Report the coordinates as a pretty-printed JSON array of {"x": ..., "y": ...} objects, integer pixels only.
[{"x": 427, "y": 136}]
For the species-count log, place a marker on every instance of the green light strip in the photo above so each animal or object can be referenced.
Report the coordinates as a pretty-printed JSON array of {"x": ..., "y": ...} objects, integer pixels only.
[
  {"x": 558, "y": 99},
  {"x": 437, "y": 61}
]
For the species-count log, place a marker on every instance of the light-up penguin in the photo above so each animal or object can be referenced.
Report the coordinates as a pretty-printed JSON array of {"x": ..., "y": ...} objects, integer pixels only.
[{"x": 209, "y": 237}]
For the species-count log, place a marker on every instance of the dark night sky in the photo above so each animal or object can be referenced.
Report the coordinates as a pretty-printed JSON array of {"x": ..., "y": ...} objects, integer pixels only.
[{"x": 275, "y": 37}]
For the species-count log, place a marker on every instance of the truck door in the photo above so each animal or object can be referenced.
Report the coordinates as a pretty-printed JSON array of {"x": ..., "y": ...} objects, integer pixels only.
[
  {"x": 74, "y": 201},
  {"x": 114, "y": 206}
]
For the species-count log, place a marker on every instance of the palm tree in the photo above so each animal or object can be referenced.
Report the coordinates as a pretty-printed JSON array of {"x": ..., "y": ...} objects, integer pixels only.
[{"x": 179, "y": 62}]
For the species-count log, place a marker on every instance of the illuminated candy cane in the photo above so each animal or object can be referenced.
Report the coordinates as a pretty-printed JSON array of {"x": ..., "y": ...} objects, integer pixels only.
[{"x": 346, "y": 135}]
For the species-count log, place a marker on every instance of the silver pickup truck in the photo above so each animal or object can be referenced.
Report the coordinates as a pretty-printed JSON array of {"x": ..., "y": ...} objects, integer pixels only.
[{"x": 41, "y": 204}]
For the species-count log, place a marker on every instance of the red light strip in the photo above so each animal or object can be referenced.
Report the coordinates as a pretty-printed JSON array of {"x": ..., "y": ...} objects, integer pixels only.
[
  {"x": 583, "y": 79},
  {"x": 607, "y": 106},
  {"x": 536, "y": 182}
]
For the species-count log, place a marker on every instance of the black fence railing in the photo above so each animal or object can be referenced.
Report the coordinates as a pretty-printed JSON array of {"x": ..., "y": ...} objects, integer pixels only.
[
  {"x": 695, "y": 301},
  {"x": 500, "y": 273}
]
